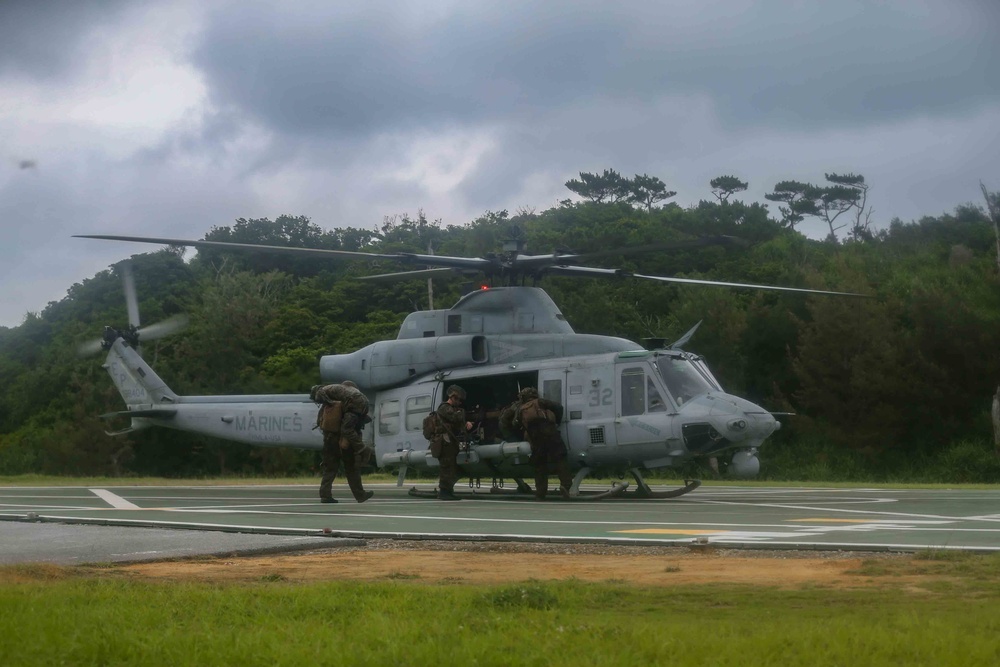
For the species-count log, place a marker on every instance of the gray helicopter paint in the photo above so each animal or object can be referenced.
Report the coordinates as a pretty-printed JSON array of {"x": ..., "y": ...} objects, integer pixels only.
[
  {"x": 498, "y": 310},
  {"x": 597, "y": 434},
  {"x": 391, "y": 363},
  {"x": 273, "y": 420},
  {"x": 137, "y": 383},
  {"x": 523, "y": 324}
]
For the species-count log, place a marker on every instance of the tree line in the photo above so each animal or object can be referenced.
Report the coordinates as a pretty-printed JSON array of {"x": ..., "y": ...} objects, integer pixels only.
[{"x": 897, "y": 386}]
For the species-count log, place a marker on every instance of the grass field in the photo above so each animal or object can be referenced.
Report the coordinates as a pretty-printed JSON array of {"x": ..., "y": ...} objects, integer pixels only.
[{"x": 102, "y": 616}]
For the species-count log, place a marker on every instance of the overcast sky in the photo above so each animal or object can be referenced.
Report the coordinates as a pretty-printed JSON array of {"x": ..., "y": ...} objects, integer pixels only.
[{"x": 166, "y": 118}]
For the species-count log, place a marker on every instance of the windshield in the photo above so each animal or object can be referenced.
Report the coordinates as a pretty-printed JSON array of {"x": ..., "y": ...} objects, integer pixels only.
[{"x": 682, "y": 378}]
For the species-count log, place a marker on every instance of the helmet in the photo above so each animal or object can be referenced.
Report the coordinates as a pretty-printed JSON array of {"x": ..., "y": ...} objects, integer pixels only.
[
  {"x": 455, "y": 390},
  {"x": 348, "y": 383},
  {"x": 528, "y": 393},
  {"x": 312, "y": 392}
]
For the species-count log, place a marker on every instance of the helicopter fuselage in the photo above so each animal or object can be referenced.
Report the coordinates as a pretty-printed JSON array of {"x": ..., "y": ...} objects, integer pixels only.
[{"x": 624, "y": 410}]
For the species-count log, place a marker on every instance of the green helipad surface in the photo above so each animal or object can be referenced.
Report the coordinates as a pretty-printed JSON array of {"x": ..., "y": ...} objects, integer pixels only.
[{"x": 758, "y": 517}]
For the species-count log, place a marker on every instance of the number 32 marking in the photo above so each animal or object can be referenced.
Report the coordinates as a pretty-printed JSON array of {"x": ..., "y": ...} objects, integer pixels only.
[{"x": 599, "y": 397}]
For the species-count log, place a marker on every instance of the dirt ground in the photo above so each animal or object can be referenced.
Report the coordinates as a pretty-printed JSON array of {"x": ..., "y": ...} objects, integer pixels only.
[{"x": 492, "y": 563}]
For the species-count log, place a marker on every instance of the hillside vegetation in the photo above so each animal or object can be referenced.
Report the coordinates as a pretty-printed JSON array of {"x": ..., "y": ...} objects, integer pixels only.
[{"x": 895, "y": 387}]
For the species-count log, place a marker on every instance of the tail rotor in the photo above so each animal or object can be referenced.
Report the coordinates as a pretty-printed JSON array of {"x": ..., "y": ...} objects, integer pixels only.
[{"x": 133, "y": 333}]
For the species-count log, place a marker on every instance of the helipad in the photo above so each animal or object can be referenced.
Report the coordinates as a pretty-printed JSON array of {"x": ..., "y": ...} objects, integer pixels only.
[{"x": 756, "y": 517}]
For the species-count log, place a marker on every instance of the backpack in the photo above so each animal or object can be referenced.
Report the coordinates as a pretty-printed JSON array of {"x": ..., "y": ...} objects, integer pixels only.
[
  {"x": 532, "y": 412},
  {"x": 330, "y": 416},
  {"x": 431, "y": 425}
]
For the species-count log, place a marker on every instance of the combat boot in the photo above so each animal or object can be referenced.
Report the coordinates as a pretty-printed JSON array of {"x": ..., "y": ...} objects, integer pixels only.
[
  {"x": 447, "y": 493},
  {"x": 365, "y": 496},
  {"x": 541, "y": 487}
]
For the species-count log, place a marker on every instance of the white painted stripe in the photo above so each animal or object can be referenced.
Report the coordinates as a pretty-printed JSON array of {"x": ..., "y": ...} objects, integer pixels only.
[
  {"x": 813, "y": 508},
  {"x": 312, "y": 533},
  {"x": 117, "y": 502}
]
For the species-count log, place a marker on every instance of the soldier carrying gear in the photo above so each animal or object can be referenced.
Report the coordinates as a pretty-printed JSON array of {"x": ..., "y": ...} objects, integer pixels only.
[
  {"x": 451, "y": 417},
  {"x": 510, "y": 427},
  {"x": 343, "y": 445},
  {"x": 540, "y": 419}
]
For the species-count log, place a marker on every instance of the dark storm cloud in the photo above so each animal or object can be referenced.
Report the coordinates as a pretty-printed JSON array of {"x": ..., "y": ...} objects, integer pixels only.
[
  {"x": 799, "y": 64},
  {"x": 43, "y": 38}
]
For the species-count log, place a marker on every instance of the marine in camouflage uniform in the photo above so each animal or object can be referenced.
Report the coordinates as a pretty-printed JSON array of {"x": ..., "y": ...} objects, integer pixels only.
[
  {"x": 540, "y": 419},
  {"x": 355, "y": 411},
  {"x": 452, "y": 423},
  {"x": 509, "y": 426}
]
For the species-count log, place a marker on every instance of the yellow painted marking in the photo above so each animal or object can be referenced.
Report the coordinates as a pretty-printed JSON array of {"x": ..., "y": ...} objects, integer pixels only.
[
  {"x": 671, "y": 531},
  {"x": 835, "y": 520}
]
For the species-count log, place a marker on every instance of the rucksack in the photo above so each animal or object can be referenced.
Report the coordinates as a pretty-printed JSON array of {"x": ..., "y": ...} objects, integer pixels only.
[
  {"x": 330, "y": 416},
  {"x": 532, "y": 412},
  {"x": 431, "y": 425}
]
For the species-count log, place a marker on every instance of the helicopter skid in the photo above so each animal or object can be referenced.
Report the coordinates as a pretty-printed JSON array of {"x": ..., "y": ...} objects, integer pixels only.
[
  {"x": 616, "y": 491},
  {"x": 643, "y": 492}
]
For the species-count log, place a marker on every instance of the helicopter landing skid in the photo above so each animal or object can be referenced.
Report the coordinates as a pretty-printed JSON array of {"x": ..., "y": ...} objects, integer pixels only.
[
  {"x": 617, "y": 490},
  {"x": 642, "y": 490}
]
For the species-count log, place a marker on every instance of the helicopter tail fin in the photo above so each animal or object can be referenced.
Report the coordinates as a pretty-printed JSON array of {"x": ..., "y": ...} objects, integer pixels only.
[{"x": 138, "y": 384}]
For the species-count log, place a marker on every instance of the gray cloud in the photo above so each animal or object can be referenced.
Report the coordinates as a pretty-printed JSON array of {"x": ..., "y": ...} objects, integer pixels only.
[
  {"x": 350, "y": 112},
  {"x": 775, "y": 64},
  {"x": 43, "y": 38}
]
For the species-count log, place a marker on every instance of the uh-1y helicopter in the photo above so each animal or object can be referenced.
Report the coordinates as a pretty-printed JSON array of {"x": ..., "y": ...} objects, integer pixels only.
[{"x": 627, "y": 409}]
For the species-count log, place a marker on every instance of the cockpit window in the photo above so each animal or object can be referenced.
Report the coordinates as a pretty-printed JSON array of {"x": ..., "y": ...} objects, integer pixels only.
[
  {"x": 653, "y": 399},
  {"x": 683, "y": 380}
]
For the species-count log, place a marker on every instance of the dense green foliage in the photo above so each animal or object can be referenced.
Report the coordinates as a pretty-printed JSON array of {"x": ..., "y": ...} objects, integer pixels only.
[
  {"x": 894, "y": 385},
  {"x": 48, "y": 617}
]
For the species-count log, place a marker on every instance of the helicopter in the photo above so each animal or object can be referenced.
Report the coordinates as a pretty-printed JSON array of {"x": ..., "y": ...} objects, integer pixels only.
[{"x": 628, "y": 409}]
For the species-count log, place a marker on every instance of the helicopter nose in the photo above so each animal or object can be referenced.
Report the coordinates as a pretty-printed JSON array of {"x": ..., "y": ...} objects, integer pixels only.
[
  {"x": 751, "y": 425},
  {"x": 717, "y": 421}
]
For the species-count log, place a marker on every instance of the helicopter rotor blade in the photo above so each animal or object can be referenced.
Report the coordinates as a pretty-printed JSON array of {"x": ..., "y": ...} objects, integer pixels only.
[
  {"x": 588, "y": 271},
  {"x": 472, "y": 263},
  {"x": 720, "y": 283},
  {"x": 537, "y": 265},
  {"x": 89, "y": 348},
  {"x": 152, "y": 332},
  {"x": 611, "y": 273},
  {"x": 407, "y": 275},
  {"x": 164, "y": 327},
  {"x": 131, "y": 300},
  {"x": 466, "y": 263},
  {"x": 558, "y": 259}
]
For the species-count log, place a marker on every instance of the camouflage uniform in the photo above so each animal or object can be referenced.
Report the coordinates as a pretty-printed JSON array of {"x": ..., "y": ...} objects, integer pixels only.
[
  {"x": 509, "y": 426},
  {"x": 548, "y": 450},
  {"x": 452, "y": 425},
  {"x": 355, "y": 407}
]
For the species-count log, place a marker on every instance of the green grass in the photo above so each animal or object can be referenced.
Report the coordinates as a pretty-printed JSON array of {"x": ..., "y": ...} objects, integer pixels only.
[{"x": 79, "y": 616}]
